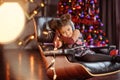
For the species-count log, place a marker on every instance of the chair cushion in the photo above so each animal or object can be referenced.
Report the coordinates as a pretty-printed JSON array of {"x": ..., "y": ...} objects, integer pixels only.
[{"x": 102, "y": 67}]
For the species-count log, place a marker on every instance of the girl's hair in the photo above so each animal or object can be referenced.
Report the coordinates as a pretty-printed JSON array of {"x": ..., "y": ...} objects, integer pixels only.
[
  {"x": 63, "y": 21},
  {"x": 52, "y": 24}
]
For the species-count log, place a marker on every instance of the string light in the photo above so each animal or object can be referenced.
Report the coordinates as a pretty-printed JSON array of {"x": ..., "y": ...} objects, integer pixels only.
[
  {"x": 62, "y": 6},
  {"x": 42, "y": 5},
  {"x": 55, "y": 75},
  {"x": 74, "y": 8},
  {"x": 45, "y": 32},
  {"x": 29, "y": 17},
  {"x": 35, "y": 11},
  {"x": 32, "y": 37},
  {"x": 26, "y": 40},
  {"x": 20, "y": 43},
  {"x": 31, "y": 1},
  {"x": 69, "y": 0}
]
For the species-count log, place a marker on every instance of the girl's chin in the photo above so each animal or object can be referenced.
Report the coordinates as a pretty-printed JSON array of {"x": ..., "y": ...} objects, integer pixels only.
[{"x": 69, "y": 36}]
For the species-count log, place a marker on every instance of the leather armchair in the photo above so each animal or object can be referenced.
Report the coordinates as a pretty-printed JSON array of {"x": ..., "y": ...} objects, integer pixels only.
[{"x": 65, "y": 69}]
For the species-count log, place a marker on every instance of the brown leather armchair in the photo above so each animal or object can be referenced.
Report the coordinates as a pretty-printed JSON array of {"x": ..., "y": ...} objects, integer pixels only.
[{"x": 64, "y": 69}]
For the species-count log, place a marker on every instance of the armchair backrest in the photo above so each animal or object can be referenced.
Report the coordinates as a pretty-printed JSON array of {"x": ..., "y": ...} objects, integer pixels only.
[{"x": 44, "y": 33}]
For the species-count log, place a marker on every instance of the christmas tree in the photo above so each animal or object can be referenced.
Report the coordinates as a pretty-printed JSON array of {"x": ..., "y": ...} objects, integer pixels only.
[{"x": 85, "y": 15}]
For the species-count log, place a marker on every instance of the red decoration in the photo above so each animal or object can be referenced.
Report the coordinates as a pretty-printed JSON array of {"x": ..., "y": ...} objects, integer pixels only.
[
  {"x": 114, "y": 52},
  {"x": 89, "y": 37},
  {"x": 78, "y": 7}
]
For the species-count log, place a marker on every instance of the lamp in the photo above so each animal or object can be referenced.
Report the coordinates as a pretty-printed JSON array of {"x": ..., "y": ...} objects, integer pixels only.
[
  {"x": 1, "y": 1},
  {"x": 12, "y": 21}
]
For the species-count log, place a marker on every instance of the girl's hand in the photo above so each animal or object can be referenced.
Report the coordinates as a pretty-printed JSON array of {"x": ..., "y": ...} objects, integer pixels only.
[
  {"x": 76, "y": 34},
  {"x": 57, "y": 43}
]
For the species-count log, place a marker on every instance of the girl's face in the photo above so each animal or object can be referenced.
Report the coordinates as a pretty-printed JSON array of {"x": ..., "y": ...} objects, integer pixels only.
[{"x": 66, "y": 31}]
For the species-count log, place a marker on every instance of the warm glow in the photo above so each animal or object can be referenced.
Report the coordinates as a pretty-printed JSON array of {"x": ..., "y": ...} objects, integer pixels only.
[
  {"x": 12, "y": 20},
  {"x": 32, "y": 37},
  {"x": 45, "y": 32},
  {"x": 20, "y": 43},
  {"x": 31, "y": 0},
  {"x": 35, "y": 12},
  {"x": 42, "y": 4}
]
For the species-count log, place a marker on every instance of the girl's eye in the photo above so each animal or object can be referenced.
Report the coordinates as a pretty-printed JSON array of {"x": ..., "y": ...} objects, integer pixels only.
[
  {"x": 68, "y": 29},
  {"x": 63, "y": 32}
]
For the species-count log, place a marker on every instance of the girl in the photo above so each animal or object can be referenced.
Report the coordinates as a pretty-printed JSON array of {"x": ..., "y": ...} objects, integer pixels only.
[{"x": 68, "y": 37}]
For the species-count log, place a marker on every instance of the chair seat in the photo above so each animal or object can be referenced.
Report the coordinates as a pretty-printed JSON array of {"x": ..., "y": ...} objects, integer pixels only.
[
  {"x": 81, "y": 70},
  {"x": 102, "y": 68}
]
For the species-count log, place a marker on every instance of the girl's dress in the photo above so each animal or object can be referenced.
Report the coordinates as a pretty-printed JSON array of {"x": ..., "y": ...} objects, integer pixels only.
[{"x": 81, "y": 48}]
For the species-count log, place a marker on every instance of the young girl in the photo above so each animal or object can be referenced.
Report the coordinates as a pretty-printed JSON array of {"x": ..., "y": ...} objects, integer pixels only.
[{"x": 68, "y": 37}]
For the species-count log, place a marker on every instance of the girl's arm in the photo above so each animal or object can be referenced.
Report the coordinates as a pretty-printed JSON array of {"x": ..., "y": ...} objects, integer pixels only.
[
  {"x": 57, "y": 41},
  {"x": 76, "y": 34}
]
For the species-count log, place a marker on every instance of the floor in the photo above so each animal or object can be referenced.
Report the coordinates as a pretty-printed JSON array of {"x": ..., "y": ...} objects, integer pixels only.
[{"x": 27, "y": 65}]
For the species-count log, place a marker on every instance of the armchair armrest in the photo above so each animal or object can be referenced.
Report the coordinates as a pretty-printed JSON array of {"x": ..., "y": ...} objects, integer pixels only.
[{"x": 103, "y": 50}]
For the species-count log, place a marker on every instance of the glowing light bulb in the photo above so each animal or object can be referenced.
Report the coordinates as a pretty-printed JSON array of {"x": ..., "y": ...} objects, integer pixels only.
[
  {"x": 42, "y": 4},
  {"x": 45, "y": 32},
  {"x": 20, "y": 43},
  {"x": 32, "y": 37},
  {"x": 12, "y": 21},
  {"x": 31, "y": 0},
  {"x": 35, "y": 12}
]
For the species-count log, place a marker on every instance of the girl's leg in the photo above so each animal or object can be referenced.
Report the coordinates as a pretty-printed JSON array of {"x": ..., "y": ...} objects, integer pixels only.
[{"x": 98, "y": 57}]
